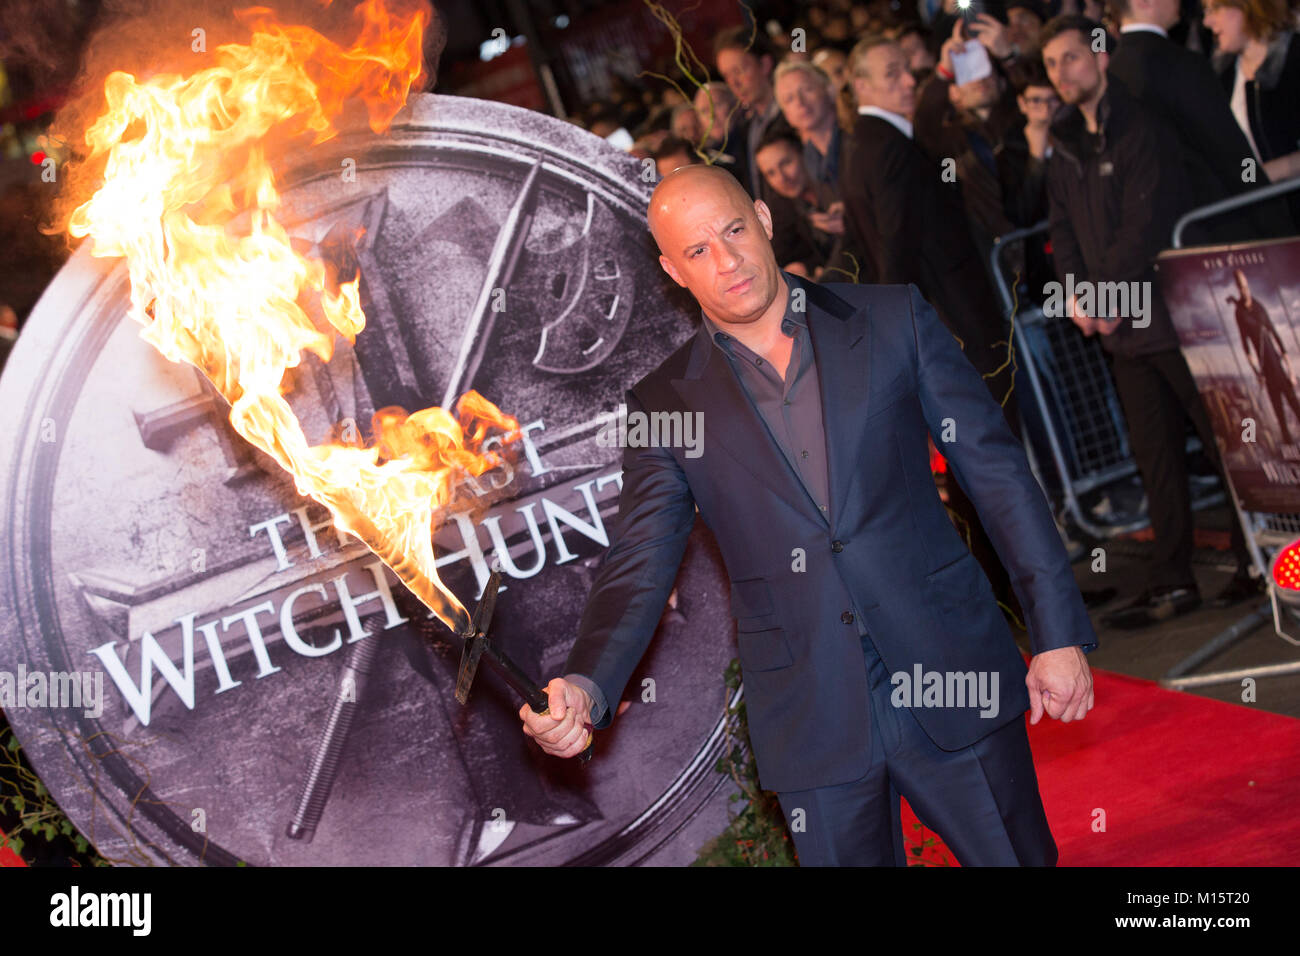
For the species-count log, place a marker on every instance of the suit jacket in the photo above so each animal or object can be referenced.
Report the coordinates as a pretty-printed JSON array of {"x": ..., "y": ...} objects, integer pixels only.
[
  {"x": 913, "y": 227},
  {"x": 886, "y": 556}
]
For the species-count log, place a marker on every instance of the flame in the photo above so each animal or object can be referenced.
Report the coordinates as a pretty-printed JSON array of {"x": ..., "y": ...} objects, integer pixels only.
[{"x": 189, "y": 201}]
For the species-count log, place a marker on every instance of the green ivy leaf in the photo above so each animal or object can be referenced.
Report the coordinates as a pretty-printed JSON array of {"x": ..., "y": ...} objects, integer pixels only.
[
  {"x": 12, "y": 744},
  {"x": 16, "y": 844},
  {"x": 20, "y": 804},
  {"x": 80, "y": 843}
]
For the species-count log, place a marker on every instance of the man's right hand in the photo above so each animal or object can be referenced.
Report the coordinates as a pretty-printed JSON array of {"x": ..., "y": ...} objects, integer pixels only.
[
  {"x": 563, "y": 731},
  {"x": 1087, "y": 325}
]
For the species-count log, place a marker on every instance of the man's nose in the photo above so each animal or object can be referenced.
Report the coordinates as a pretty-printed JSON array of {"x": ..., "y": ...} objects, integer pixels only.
[{"x": 728, "y": 259}]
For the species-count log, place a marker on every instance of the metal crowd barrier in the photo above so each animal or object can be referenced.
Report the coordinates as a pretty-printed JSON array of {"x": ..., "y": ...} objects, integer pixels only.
[{"x": 1076, "y": 437}]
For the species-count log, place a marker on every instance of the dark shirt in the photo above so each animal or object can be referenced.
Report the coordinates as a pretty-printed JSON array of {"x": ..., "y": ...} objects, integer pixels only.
[
  {"x": 825, "y": 169},
  {"x": 791, "y": 409},
  {"x": 756, "y": 126}
]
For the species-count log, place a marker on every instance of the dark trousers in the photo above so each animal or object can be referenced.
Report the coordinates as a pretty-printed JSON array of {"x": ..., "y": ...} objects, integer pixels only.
[
  {"x": 1158, "y": 394},
  {"x": 982, "y": 801},
  {"x": 1280, "y": 396}
]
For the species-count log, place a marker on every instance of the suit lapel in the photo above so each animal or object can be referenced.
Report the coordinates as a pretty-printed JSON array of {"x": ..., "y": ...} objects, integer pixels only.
[
  {"x": 841, "y": 349},
  {"x": 711, "y": 387},
  {"x": 841, "y": 338}
]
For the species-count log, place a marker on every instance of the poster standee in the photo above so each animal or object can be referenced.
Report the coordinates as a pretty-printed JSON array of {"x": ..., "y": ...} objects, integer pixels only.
[{"x": 1266, "y": 533}]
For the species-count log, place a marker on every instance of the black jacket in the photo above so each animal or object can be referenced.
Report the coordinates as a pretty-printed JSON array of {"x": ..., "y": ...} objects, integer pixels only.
[
  {"x": 1180, "y": 86},
  {"x": 794, "y": 238},
  {"x": 1113, "y": 201},
  {"x": 1272, "y": 101},
  {"x": 912, "y": 227}
]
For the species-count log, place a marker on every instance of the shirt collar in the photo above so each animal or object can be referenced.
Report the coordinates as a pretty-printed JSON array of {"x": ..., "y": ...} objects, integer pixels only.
[
  {"x": 1144, "y": 28},
  {"x": 800, "y": 319},
  {"x": 901, "y": 123}
]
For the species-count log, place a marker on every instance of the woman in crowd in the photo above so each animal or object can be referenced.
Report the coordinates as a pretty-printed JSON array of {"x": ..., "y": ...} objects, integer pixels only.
[{"x": 1259, "y": 61}]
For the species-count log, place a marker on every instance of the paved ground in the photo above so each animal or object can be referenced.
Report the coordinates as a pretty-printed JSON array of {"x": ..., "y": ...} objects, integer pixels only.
[{"x": 1151, "y": 652}]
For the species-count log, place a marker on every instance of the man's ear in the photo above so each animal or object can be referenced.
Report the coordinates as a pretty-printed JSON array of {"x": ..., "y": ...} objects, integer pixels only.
[
  {"x": 671, "y": 269},
  {"x": 764, "y": 216},
  {"x": 856, "y": 86}
]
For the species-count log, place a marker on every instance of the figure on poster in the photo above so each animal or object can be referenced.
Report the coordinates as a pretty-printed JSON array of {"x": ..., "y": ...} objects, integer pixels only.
[{"x": 1266, "y": 354}]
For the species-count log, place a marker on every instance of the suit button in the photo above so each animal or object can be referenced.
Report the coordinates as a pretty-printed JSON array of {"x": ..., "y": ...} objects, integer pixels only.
[
  {"x": 837, "y": 547},
  {"x": 847, "y": 617}
]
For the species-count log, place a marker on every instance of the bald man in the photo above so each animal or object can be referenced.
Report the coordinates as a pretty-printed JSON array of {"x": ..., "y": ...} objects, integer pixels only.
[{"x": 876, "y": 661}]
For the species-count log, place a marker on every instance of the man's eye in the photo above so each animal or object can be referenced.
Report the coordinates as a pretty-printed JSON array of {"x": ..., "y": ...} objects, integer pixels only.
[
  {"x": 737, "y": 229},
  {"x": 695, "y": 253}
]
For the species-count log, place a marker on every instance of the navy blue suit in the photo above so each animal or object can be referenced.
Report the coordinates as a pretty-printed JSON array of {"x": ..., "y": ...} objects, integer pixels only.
[{"x": 886, "y": 562}]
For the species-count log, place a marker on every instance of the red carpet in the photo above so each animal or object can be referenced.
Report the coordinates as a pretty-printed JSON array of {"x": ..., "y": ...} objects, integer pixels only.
[{"x": 1183, "y": 781}]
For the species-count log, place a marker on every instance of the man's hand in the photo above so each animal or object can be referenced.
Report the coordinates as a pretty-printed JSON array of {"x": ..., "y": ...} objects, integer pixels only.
[
  {"x": 1037, "y": 138},
  {"x": 563, "y": 732},
  {"x": 831, "y": 221},
  {"x": 993, "y": 34},
  {"x": 1087, "y": 325},
  {"x": 1059, "y": 683},
  {"x": 1107, "y": 325}
]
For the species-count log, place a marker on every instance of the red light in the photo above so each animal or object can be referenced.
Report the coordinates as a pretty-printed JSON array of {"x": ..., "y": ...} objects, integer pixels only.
[
  {"x": 938, "y": 464},
  {"x": 38, "y": 157},
  {"x": 1286, "y": 567}
]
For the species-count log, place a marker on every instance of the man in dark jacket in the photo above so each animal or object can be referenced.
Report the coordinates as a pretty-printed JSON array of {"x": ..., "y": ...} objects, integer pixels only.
[
  {"x": 746, "y": 63},
  {"x": 901, "y": 213},
  {"x": 816, "y": 402},
  {"x": 1114, "y": 185},
  {"x": 1181, "y": 87}
]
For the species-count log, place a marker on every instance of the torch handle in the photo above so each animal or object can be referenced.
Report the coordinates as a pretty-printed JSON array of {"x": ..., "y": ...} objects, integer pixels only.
[
  {"x": 516, "y": 678},
  {"x": 523, "y": 685}
]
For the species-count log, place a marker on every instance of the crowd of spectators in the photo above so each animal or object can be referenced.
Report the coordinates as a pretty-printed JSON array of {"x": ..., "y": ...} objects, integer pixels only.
[{"x": 893, "y": 145}]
